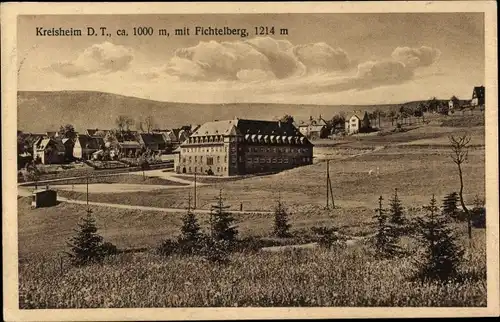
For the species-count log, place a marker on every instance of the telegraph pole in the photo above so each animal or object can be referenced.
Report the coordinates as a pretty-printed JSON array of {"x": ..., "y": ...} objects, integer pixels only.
[
  {"x": 194, "y": 190},
  {"x": 327, "y": 182}
]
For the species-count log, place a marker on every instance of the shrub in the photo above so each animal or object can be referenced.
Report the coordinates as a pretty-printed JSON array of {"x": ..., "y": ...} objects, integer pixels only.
[
  {"x": 108, "y": 249},
  {"x": 281, "y": 225},
  {"x": 442, "y": 255},
  {"x": 327, "y": 237}
]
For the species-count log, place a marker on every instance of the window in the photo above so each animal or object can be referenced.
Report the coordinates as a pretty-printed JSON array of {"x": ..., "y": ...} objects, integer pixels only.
[
  {"x": 279, "y": 160},
  {"x": 262, "y": 150},
  {"x": 218, "y": 169},
  {"x": 233, "y": 160},
  {"x": 249, "y": 160},
  {"x": 189, "y": 169},
  {"x": 285, "y": 161},
  {"x": 225, "y": 158},
  {"x": 274, "y": 160},
  {"x": 268, "y": 149},
  {"x": 262, "y": 160},
  {"x": 225, "y": 149},
  {"x": 189, "y": 159},
  {"x": 274, "y": 150},
  {"x": 195, "y": 158},
  {"x": 183, "y": 160},
  {"x": 254, "y": 149},
  {"x": 201, "y": 169},
  {"x": 287, "y": 150},
  {"x": 268, "y": 160},
  {"x": 241, "y": 158},
  {"x": 218, "y": 159},
  {"x": 210, "y": 160},
  {"x": 225, "y": 169},
  {"x": 256, "y": 160},
  {"x": 195, "y": 169},
  {"x": 201, "y": 159}
]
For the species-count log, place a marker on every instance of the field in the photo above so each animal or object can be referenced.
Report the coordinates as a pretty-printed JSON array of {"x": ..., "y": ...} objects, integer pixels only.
[{"x": 416, "y": 162}]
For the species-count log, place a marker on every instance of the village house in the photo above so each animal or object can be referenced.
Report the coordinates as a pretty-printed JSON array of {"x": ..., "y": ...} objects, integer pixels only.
[
  {"x": 478, "y": 96},
  {"x": 353, "y": 124},
  {"x": 238, "y": 146},
  {"x": 129, "y": 148},
  {"x": 48, "y": 151},
  {"x": 153, "y": 141},
  {"x": 85, "y": 145},
  {"x": 314, "y": 128}
]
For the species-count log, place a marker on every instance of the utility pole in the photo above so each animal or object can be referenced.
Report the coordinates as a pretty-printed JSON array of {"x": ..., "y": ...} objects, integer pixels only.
[
  {"x": 194, "y": 190},
  {"x": 327, "y": 182}
]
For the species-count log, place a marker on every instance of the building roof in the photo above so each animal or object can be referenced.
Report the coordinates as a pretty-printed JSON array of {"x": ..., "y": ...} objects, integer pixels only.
[
  {"x": 89, "y": 142},
  {"x": 151, "y": 138},
  {"x": 43, "y": 144},
  {"x": 248, "y": 127},
  {"x": 130, "y": 144},
  {"x": 316, "y": 128},
  {"x": 479, "y": 90}
]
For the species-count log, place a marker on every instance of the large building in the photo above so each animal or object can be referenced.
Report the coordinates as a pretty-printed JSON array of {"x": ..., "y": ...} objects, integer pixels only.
[
  {"x": 236, "y": 147},
  {"x": 478, "y": 96}
]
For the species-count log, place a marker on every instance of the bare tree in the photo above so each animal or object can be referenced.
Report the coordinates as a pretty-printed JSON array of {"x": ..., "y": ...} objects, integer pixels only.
[
  {"x": 123, "y": 123},
  {"x": 149, "y": 123},
  {"x": 460, "y": 153}
]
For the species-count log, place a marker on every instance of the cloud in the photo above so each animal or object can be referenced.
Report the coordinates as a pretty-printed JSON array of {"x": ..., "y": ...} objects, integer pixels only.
[
  {"x": 99, "y": 58},
  {"x": 372, "y": 74},
  {"x": 320, "y": 57},
  {"x": 416, "y": 57},
  {"x": 257, "y": 57}
]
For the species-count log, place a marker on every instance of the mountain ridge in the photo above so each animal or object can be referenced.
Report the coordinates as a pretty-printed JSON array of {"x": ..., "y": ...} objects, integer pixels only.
[{"x": 94, "y": 109}]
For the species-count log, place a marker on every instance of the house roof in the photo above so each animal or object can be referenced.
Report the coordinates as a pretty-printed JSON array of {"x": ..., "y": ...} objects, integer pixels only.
[
  {"x": 43, "y": 144},
  {"x": 316, "y": 128},
  {"x": 129, "y": 144},
  {"x": 244, "y": 126},
  {"x": 89, "y": 142},
  {"x": 151, "y": 138},
  {"x": 479, "y": 90},
  {"x": 354, "y": 115}
]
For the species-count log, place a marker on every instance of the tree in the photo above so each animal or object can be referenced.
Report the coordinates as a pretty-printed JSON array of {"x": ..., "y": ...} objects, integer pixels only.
[
  {"x": 478, "y": 213},
  {"x": 287, "y": 119},
  {"x": 32, "y": 173},
  {"x": 386, "y": 237},
  {"x": 147, "y": 124},
  {"x": 433, "y": 105},
  {"x": 281, "y": 225},
  {"x": 123, "y": 123},
  {"x": 143, "y": 164},
  {"x": 396, "y": 214},
  {"x": 222, "y": 227},
  {"x": 450, "y": 208},
  {"x": 459, "y": 155},
  {"x": 190, "y": 231},
  {"x": 68, "y": 131},
  {"x": 456, "y": 101},
  {"x": 86, "y": 246},
  {"x": 441, "y": 256}
]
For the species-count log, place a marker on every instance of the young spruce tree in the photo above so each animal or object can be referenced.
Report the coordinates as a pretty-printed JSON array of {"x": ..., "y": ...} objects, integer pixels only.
[
  {"x": 222, "y": 222},
  {"x": 450, "y": 207},
  {"x": 191, "y": 235},
  {"x": 86, "y": 246},
  {"x": 442, "y": 255},
  {"x": 396, "y": 214},
  {"x": 386, "y": 237},
  {"x": 281, "y": 225}
]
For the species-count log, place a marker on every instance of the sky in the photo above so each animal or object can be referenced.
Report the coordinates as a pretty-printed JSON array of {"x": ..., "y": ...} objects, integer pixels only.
[{"x": 331, "y": 59}]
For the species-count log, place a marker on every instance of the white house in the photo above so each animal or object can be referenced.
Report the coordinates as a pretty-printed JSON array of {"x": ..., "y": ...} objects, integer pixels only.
[{"x": 352, "y": 124}]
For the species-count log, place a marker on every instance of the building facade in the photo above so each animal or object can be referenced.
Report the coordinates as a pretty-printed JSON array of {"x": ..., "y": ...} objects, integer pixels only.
[
  {"x": 237, "y": 147},
  {"x": 478, "y": 95},
  {"x": 352, "y": 124}
]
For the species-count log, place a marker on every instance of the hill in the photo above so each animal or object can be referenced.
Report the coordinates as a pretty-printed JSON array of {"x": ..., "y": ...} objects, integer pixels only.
[{"x": 44, "y": 111}]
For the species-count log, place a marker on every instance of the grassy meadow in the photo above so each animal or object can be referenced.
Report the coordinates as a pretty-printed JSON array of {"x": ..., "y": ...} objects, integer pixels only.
[{"x": 416, "y": 162}]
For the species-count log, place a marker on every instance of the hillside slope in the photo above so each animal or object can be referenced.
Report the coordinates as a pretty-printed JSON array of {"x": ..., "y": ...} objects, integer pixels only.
[{"x": 43, "y": 111}]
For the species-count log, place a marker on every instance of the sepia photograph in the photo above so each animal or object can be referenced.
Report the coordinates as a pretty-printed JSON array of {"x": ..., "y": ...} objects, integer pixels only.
[{"x": 314, "y": 159}]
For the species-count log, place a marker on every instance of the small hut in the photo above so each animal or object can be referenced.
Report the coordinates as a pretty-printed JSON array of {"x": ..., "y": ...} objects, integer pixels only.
[{"x": 44, "y": 198}]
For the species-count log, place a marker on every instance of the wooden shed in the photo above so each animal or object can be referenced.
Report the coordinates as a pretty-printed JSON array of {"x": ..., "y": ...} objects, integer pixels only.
[{"x": 44, "y": 198}]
